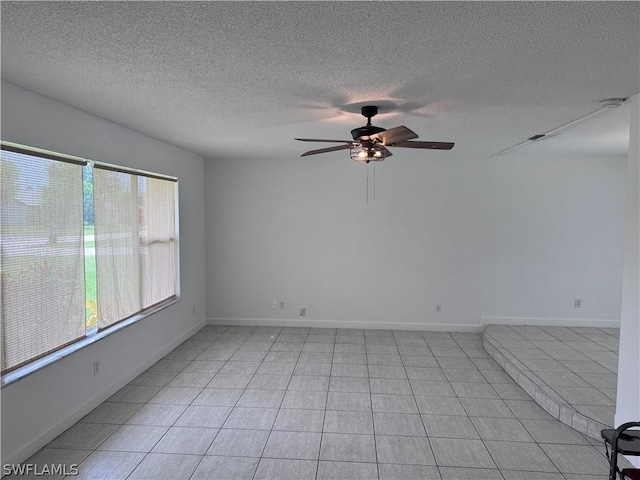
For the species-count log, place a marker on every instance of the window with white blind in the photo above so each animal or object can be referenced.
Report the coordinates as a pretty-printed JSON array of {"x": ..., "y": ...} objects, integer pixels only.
[
  {"x": 135, "y": 242},
  {"x": 86, "y": 249},
  {"x": 42, "y": 279}
]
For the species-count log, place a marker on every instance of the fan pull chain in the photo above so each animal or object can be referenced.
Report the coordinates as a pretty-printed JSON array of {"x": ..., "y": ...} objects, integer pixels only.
[
  {"x": 367, "y": 183},
  {"x": 373, "y": 188}
]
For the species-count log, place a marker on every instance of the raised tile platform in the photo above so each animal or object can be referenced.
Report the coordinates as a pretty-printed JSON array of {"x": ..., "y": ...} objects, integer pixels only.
[{"x": 571, "y": 372}]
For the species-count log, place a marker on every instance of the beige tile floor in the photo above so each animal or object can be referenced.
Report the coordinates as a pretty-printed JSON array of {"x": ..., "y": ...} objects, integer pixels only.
[
  {"x": 298, "y": 403},
  {"x": 570, "y": 371}
]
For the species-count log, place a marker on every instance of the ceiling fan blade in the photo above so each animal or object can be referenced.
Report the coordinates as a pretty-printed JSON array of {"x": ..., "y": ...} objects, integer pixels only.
[
  {"x": 427, "y": 145},
  {"x": 323, "y": 140},
  {"x": 328, "y": 149},
  {"x": 394, "y": 135}
]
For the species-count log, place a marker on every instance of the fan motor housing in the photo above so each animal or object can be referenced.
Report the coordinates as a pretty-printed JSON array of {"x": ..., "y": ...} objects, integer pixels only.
[{"x": 366, "y": 131}]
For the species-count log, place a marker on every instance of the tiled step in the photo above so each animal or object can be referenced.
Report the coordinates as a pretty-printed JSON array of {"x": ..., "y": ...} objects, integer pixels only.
[{"x": 495, "y": 339}]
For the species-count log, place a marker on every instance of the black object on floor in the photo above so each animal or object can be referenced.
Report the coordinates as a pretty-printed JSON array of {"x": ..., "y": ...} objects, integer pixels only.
[{"x": 623, "y": 440}]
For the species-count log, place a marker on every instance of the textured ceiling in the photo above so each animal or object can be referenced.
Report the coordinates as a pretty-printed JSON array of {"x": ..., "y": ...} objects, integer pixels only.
[{"x": 241, "y": 79}]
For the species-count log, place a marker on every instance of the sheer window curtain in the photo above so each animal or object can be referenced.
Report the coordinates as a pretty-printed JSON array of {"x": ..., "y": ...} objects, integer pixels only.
[
  {"x": 157, "y": 240},
  {"x": 42, "y": 256},
  {"x": 135, "y": 243},
  {"x": 117, "y": 244}
]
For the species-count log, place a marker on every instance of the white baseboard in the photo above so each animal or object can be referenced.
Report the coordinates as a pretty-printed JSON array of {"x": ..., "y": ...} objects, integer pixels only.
[
  {"x": 316, "y": 323},
  {"x": 436, "y": 327},
  {"x": 44, "y": 438},
  {"x": 555, "y": 322}
]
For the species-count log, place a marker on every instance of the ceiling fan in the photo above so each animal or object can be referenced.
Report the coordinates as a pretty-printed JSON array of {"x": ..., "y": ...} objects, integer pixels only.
[{"x": 370, "y": 143}]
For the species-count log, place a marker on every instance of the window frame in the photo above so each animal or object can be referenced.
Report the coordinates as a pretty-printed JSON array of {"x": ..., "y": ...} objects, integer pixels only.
[{"x": 39, "y": 363}]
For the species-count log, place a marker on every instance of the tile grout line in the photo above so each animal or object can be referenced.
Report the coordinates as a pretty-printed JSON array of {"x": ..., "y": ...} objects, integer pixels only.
[
  {"x": 218, "y": 432},
  {"x": 240, "y": 397},
  {"x": 474, "y": 425},
  {"x": 146, "y": 454},
  {"x": 324, "y": 413},
  {"x": 201, "y": 391},
  {"x": 373, "y": 417},
  {"x": 147, "y": 403},
  {"x": 426, "y": 433}
]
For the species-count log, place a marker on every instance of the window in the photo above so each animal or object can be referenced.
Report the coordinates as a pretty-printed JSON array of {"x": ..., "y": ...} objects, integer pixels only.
[
  {"x": 135, "y": 242},
  {"x": 42, "y": 276},
  {"x": 86, "y": 248}
]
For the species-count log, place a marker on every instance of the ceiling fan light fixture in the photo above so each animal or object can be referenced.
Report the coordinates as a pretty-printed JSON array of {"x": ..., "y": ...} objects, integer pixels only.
[{"x": 367, "y": 154}]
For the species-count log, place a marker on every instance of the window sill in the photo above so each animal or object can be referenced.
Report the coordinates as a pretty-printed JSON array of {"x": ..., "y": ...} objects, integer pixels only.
[{"x": 33, "y": 367}]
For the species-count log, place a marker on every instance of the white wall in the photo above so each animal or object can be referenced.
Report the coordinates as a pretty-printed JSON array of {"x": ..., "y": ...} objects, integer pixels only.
[
  {"x": 42, "y": 405},
  {"x": 514, "y": 236},
  {"x": 628, "y": 400}
]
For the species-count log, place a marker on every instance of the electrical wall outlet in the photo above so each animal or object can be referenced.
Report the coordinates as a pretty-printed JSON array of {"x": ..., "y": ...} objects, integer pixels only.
[
  {"x": 438, "y": 308},
  {"x": 303, "y": 312},
  {"x": 578, "y": 303},
  {"x": 96, "y": 367},
  {"x": 281, "y": 305}
]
